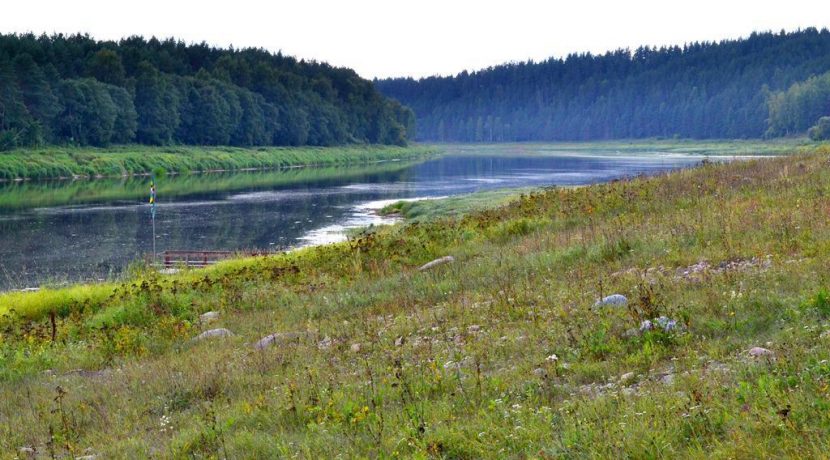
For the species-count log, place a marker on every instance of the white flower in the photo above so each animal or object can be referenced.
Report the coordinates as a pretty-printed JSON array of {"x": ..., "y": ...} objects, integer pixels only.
[{"x": 552, "y": 358}]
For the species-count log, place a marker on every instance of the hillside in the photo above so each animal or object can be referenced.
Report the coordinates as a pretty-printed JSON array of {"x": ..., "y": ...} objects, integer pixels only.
[
  {"x": 79, "y": 91},
  {"x": 720, "y": 351},
  {"x": 700, "y": 90}
]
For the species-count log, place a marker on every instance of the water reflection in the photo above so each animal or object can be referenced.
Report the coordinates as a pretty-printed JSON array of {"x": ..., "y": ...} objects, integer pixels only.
[{"x": 103, "y": 225}]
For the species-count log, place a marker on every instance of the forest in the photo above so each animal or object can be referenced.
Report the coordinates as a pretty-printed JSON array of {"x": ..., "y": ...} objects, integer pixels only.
[
  {"x": 768, "y": 84},
  {"x": 74, "y": 90}
]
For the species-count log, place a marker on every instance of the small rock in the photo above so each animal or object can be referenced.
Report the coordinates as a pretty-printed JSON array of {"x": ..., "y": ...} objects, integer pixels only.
[
  {"x": 355, "y": 348},
  {"x": 209, "y": 316},
  {"x": 221, "y": 332},
  {"x": 325, "y": 344},
  {"x": 629, "y": 391},
  {"x": 277, "y": 338},
  {"x": 757, "y": 352},
  {"x": 474, "y": 328},
  {"x": 436, "y": 262},
  {"x": 627, "y": 377},
  {"x": 667, "y": 324},
  {"x": 646, "y": 325},
  {"x": 667, "y": 379},
  {"x": 614, "y": 300},
  {"x": 399, "y": 341},
  {"x": 28, "y": 451},
  {"x": 539, "y": 372}
]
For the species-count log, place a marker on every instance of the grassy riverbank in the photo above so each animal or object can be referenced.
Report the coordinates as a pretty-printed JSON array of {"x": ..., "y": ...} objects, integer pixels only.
[
  {"x": 68, "y": 162},
  {"x": 499, "y": 354}
]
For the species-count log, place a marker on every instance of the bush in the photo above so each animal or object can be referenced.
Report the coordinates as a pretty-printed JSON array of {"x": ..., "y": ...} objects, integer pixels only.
[{"x": 821, "y": 131}]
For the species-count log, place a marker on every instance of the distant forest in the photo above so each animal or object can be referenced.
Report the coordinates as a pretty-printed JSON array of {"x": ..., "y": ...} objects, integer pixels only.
[
  {"x": 769, "y": 84},
  {"x": 78, "y": 91}
]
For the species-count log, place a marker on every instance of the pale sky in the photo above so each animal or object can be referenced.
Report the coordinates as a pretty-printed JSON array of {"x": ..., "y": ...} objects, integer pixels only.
[{"x": 417, "y": 38}]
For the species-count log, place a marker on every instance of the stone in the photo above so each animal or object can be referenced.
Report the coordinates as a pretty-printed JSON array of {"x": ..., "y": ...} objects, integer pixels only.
[
  {"x": 277, "y": 338},
  {"x": 474, "y": 328},
  {"x": 399, "y": 341},
  {"x": 209, "y": 316},
  {"x": 539, "y": 372},
  {"x": 667, "y": 379},
  {"x": 627, "y": 377},
  {"x": 613, "y": 300},
  {"x": 355, "y": 348},
  {"x": 436, "y": 262},
  {"x": 758, "y": 352},
  {"x": 646, "y": 325},
  {"x": 325, "y": 344},
  {"x": 27, "y": 451},
  {"x": 667, "y": 324},
  {"x": 213, "y": 333}
]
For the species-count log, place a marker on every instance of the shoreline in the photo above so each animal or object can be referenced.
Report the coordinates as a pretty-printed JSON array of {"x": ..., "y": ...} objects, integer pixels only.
[{"x": 82, "y": 163}]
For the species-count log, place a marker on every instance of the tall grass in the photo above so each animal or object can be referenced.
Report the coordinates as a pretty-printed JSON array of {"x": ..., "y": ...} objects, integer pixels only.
[
  {"x": 500, "y": 354},
  {"x": 67, "y": 162}
]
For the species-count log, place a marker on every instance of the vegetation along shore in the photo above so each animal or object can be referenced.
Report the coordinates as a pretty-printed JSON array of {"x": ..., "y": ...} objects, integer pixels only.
[
  {"x": 503, "y": 350},
  {"x": 69, "y": 162}
]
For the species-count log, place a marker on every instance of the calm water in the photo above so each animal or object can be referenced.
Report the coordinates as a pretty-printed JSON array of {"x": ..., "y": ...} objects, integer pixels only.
[{"x": 99, "y": 237}]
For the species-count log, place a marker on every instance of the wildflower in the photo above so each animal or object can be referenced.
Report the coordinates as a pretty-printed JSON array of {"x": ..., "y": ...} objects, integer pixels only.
[{"x": 552, "y": 358}]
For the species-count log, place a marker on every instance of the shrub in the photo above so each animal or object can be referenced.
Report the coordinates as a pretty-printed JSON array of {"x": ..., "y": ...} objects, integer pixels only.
[{"x": 821, "y": 130}]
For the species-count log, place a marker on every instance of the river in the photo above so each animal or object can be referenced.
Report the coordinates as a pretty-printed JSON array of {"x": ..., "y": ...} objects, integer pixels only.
[{"x": 58, "y": 232}]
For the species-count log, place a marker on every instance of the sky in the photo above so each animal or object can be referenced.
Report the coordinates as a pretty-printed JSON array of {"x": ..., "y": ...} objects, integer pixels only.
[{"x": 417, "y": 38}]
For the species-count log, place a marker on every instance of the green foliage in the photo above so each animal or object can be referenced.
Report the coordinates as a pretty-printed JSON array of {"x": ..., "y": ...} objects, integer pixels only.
[
  {"x": 795, "y": 110},
  {"x": 700, "y": 90},
  {"x": 820, "y": 302},
  {"x": 57, "y": 162},
  {"x": 53, "y": 91},
  {"x": 821, "y": 130}
]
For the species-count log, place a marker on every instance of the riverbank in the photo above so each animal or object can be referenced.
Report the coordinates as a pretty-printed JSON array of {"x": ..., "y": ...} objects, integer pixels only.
[
  {"x": 131, "y": 160},
  {"x": 502, "y": 352}
]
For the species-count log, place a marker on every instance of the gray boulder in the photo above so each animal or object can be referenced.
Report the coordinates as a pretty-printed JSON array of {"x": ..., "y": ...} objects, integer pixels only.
[
  {"x": 436, "y": 262},
  {"x": 613, "y": 300},
  {"x": 758, "y": 352},
  {"x": 209, "y": 316},
  {"x": 213, "y": 333},
  {"x": 278, "y": 339}
]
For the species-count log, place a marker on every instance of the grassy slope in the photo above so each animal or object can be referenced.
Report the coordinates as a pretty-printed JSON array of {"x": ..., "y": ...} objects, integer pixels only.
[
  {"x": 458, "y": 205},
  {"x": 458, "y": 361},
  {"x": 57, "y": 162}
]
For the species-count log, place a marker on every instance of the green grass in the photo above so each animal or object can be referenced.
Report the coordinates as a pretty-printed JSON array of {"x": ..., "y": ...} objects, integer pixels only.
[
  {"x": 497, "y": 355},
  {"x": 68, "y": 162},
  {"x": 421, "y": 210},
  {"x": 713, "y": 148}
]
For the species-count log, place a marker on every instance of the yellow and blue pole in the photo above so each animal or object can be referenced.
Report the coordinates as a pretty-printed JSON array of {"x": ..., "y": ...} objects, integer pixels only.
[{"x": 153, "y": 212}]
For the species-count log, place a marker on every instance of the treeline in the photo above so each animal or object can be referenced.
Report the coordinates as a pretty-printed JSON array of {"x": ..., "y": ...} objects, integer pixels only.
[
  {"x": 700, "y": 90},
  {"x": 800, "y": 108},
  {"x": 76, "y": 90}
]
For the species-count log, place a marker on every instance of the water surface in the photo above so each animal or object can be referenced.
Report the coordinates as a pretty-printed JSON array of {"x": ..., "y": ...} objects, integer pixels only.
[{"x": 82, "y": 230}]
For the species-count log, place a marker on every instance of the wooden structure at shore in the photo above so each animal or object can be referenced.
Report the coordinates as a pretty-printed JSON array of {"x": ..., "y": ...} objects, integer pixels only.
[{"x": 198, "y": 259}]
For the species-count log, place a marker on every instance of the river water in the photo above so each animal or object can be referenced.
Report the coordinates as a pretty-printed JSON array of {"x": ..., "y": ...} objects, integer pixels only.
[{"x": 57, "y": 232}]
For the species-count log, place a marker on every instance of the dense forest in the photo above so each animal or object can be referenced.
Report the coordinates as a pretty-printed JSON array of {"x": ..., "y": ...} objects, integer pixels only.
[
  {"x": 78, "y": 91},
  {"x": 747, "y": 88}
]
